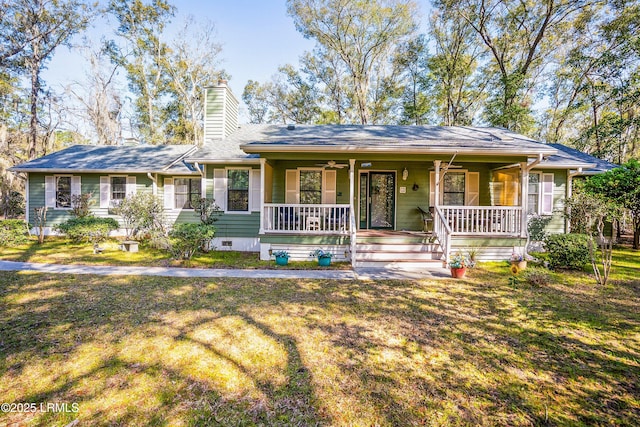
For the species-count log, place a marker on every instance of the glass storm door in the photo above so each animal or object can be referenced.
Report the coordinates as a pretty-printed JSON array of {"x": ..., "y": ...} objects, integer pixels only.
[{"x": 381, "y": 200}]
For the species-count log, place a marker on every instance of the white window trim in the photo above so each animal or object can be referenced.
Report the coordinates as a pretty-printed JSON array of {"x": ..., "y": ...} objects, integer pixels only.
[
  {"x": 55, "y": 189},
  {"x": 322, "y": 179},
  {"x": 226, "y": 191},
  {"x": 539, "y": 204},
  {"x": 173, "y": 201},
  {"x": 466, "y": 185},
  {"x": 111, "y": 200},
  {"x": 541, "y": 176}
]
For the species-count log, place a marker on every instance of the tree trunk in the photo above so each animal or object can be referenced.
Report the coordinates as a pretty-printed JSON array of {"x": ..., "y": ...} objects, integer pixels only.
[
  {"x": 636, "y": 232},
  {"x": 35, "y": 91}
]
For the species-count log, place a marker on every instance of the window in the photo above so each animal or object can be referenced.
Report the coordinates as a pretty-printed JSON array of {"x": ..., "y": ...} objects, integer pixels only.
[
  {"x": 453, "y": 189},
  {"x": 310, "y": 186},
  {"x": 186, "y": 192},
  {"x": 533, "y": 200},
  {"x": 63, "y": 192},
  {"x": 118, "y": 188},
  {"x": 238, "y": 190}
]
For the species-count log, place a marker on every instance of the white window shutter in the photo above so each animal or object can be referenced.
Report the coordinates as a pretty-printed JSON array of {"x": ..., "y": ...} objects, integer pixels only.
[
  {"x": 329, "y": 187},
  {"x": 50, "y": 191},
  {"x": 292, "y": 186},
  {"x": 76, "y": 186},
  {"x": 168, "y": 193},
  {"x": 547, "y": 193},
  {"x": 473, "y": 189},
  {"x": 105, "y": 191},
  {"x": 131, "y": 185},
  {"x": 432, "y": 188},
  {"x": 254, "y": 190},
  {"x": 220, "y": 188}
]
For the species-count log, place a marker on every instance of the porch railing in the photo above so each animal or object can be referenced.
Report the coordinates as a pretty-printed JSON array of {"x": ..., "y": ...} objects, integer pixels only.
[
  {"x": 307, "y": 219},
  {"x": 501, "y": 220},
  {"x": 442, "y": 231}
]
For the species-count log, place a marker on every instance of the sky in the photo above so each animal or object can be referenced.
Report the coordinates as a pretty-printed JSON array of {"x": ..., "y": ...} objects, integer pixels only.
[{"x": 257, "y": 37}]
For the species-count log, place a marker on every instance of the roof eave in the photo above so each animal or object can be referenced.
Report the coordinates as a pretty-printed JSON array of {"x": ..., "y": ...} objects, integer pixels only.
[
  {"x": 210, "y": 161},
  {"x": 565, "y": 166},
  {"x": 104, "y": 171},
  {"x": 483, "y": 151}
]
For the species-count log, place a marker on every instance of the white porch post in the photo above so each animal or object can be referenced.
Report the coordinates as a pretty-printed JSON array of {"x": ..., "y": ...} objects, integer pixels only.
[
  {"x": 352, "y": 211},
  {"x": 263, "y": 162},
  {"x": 524, "y": 196},
  {"x": 436, "y": 187}
]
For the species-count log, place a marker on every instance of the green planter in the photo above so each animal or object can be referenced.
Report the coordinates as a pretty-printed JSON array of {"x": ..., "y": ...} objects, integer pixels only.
[
  {"x": 324, "y": 261},
  {"x": 282, "y": 260}
]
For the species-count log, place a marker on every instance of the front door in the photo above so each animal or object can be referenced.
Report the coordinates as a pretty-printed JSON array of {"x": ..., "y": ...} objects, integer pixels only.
[{"x": 377, "y": 200}]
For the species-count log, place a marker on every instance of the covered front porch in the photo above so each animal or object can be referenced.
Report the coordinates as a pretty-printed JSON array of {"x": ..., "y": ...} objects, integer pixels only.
[{"x": 358, "y": 195}]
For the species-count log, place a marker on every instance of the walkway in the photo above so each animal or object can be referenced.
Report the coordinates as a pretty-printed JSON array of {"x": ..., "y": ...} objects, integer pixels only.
[{"x": 358, "y": 274}]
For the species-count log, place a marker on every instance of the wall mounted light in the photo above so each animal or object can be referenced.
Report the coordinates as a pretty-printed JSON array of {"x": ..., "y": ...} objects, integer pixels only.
[{"x": 405, "y": 174}]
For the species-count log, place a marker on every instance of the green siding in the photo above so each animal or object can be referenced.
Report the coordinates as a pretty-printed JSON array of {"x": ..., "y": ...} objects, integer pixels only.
[
  {"x": 557, "y": 223},
  {"x": 89, "y": 183},
  {"x": 238, "y": 225}
]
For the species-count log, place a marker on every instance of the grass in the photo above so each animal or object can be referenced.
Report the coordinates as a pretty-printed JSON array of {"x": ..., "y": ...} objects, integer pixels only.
[
  {"x": 478, "y": 351},
  {"x": 60, "y": 250}
]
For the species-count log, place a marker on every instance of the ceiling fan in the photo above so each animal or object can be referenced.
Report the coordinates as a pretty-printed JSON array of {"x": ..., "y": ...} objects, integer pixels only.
[{"x": 332, "y": 164}]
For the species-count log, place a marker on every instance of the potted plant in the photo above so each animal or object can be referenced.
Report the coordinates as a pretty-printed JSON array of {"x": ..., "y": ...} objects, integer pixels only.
[
  {"x": 518, "y": 260},
  {"x": 282, "y": 257},
  {"x": 324, "y": 257},
  {"x": 458, "y": 265}
]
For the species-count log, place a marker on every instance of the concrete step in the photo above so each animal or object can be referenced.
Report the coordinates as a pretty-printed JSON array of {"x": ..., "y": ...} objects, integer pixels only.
[
  {"x": 403, "y": 265},
  {"x": 397, "y": 256},
  {"x": 397, "y": 247}
]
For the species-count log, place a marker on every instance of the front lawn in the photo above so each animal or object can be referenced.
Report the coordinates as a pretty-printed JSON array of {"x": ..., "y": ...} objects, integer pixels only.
[
  {"x": 60, "y": 250},
  {"x": 160, "y": 351}
]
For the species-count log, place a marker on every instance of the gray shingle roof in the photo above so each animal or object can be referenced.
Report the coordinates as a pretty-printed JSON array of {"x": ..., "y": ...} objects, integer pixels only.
[
  {"x": 258, "y": 138},
  {"x": 93, "y": 158},
  {"x": 570, "y": 157}
]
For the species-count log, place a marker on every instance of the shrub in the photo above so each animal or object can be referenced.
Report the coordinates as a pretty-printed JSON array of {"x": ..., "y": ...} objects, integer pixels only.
[
  {"x": 80, "y": 205},
  {"x": 186, "y": 239},
  {"x": 88, "y": 229},
  {"x": 142, "y": 215},
  {"x": 208, "y": 210},
  {"x": 537, "y": 276},
  {"x": 569, "y": 251},
  {"x": 13, "y": 232}
]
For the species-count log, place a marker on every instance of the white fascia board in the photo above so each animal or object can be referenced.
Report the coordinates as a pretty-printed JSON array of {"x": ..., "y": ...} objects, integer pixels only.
[
  {"x": 209, "y": 161},
  {"x": 105, "y": 171},
  {"x": 565, "y": 166},
  {"x": 483, "y": 151}
]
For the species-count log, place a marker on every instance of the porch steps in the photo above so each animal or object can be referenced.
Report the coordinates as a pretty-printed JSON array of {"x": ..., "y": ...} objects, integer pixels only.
[{"x": 389, "y": 252}]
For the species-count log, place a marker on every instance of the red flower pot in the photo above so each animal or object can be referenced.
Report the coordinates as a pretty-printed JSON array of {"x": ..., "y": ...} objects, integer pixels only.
[{"x": 458, "y": 273}]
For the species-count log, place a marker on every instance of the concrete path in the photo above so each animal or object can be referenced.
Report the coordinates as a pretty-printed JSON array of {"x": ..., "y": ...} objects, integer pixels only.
[{"x": 358, "y": 274}]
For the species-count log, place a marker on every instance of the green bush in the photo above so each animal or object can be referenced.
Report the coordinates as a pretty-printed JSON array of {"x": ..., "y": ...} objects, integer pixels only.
[
  {"x": 570, "y": 251},
  {"x": 186, "y": 239},
  {"x": 88, "y": 229},
  {"x": 13, "y": 232},
  {"x": 142, "y": 215}
]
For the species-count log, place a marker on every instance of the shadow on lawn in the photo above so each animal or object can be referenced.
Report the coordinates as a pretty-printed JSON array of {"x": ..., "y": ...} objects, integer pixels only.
[
  {"x": 117, "y": 350},
  {"x": 279, "y": 352},
  {"x": 498, "y": 355}
]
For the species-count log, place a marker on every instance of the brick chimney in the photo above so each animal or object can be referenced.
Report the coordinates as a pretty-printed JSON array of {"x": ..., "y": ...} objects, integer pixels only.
[{"x": 221, "y": 112}]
